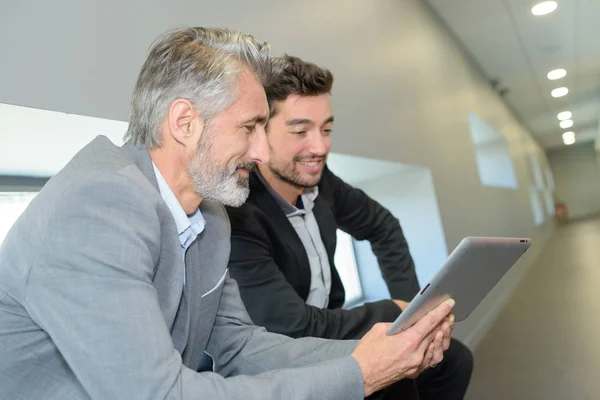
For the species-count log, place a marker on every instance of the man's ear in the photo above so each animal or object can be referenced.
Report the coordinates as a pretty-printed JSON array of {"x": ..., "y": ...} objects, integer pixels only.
[{"x": 185, "y": 123}]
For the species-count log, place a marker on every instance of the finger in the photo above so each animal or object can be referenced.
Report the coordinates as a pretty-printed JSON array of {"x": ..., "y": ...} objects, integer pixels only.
[
  {"x": 446, "y": 343},
  {"x": 383, "y": 326},
  {"x": 425, "y": 343},
  {"x": 438, "y": 352},
  {"x": 428, "y": 323},
  {"x": 448, "y": 333},
  {"x": 447, "y": 337},
  {"x": 428, "y": 358},
  {"x": 447, "y": 330},
  {"x": 452, "y": 320}
]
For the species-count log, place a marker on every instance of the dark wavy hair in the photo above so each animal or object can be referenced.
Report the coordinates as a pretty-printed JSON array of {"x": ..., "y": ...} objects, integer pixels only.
[{"x": 297, "y": 77}]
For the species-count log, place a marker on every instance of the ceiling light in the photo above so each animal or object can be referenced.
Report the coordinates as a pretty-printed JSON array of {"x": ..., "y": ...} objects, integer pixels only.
[
  {"x": 567, "y": 123},
  {"x": 568, "y": 138},
  {"x": 569, "y": 141},
  {"x": 559, "y": 92},
  {"x": 568, "y": 135},
  {"x": 543, "y": 8},
  {"x": 564, "y": 115},
  {"x": 557, "y": 74}
]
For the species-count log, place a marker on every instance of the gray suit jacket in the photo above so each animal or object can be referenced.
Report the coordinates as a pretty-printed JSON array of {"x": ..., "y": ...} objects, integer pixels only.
[{"x": 92, "y": 303}]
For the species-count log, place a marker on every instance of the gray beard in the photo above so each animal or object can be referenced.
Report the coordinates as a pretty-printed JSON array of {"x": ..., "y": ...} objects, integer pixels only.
[
  {"x": 215, "y": 182},
  {"x": 223, "y": 186}
]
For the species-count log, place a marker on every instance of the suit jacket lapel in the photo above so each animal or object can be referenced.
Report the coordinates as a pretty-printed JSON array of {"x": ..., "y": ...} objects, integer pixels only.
[
  {"x": 261, "y": 197},
  {"x": 167, "y": 281},
  {"x": 206, "y": 266}
]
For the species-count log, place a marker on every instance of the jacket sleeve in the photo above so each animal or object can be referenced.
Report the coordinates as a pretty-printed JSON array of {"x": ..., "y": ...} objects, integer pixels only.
[
  {"x": 365, "y": 219},
  {"x": 273, "y": 302},
  {"x": 90, "y": 289},
  {"x": 262, "y": 364}
]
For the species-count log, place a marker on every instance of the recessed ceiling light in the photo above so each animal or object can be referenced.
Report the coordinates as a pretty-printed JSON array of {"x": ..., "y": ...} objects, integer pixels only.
[
  {"x": 564, "y": 115},
  {"x": 557, "y": 74},
  {"x": 543, "y": 8},
  {"x": 566, "y": 124},
  {"x": 568, "y": 138},
  {"x": 568, "y": 135},
  {"x": 559, "y": 92}
]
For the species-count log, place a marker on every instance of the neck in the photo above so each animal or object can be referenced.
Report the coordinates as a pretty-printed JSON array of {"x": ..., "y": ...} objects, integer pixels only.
[
  {"x": 173, "y": 168},
  {"x": 287, "y": 191}
]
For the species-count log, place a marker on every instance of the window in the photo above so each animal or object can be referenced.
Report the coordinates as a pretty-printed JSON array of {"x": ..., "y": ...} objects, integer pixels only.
[
  {"x": 408, "y": 192},
  {"x": 536, "y": 171},
  {"x": 548, "y": 193},
  {"x": 549, "y": 200},
  {"x": 549, "y": 180},
  {"x": 11, "y": 207},
  {"x": 536, "y": 206},
  {"x": 494, "y": 161},
  {"x": 345, "y": 263},
  {"x": 543, "y": 187}
]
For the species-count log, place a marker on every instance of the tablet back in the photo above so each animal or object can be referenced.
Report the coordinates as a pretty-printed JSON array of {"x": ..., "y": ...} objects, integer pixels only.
[{"x": 469, "y": 274}]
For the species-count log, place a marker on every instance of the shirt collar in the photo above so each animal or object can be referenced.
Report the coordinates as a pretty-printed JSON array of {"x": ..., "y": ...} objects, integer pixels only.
[
  {"x": 308, "y": 198},
  {"x": 188, "y": 227}
]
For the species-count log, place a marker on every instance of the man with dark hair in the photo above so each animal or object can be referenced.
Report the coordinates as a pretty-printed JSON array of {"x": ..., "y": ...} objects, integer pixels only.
[{"x": 284, "y": 236}]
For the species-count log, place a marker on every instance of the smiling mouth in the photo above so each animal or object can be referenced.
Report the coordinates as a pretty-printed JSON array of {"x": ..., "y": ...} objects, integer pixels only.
[{"x": 310, "y": 163}]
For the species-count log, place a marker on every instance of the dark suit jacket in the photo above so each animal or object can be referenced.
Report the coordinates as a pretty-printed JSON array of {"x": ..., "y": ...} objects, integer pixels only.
[{"x": 272, "y": 269}]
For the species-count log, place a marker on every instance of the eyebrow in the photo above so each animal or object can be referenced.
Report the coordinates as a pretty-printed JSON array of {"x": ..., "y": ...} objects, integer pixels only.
[
  {"x": 299, "y": 121},
  {"x": 257, "y": 119},
  {"x": 305, "y": 121}
]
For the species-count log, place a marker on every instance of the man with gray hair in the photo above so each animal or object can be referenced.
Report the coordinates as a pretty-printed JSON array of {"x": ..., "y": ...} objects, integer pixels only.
[{"x": 114, "y": 282}]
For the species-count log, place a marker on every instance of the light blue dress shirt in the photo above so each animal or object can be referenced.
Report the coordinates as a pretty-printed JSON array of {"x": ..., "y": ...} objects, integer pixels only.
[
  {"x": 188, "y": 229},
  {"x": 306, "y": 226},
  {"x": 188, "y": 226}
]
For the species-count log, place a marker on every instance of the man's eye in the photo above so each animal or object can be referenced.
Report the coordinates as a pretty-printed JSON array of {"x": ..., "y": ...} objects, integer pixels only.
[
  {"x": 250, "y": 128},
  {"x": 299, "y": 132},
  {"x": 327, "y": 131}
]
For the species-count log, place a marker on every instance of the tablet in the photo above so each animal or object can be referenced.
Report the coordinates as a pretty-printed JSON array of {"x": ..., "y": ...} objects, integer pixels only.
[{"x": 469, "y": 274}]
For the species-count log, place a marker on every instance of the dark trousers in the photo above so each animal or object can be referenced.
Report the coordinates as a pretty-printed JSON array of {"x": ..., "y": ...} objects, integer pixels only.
[{"x": 448, "y": 380}]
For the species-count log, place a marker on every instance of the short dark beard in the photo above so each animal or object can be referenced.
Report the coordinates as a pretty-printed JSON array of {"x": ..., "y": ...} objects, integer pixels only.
[{"x": 292, "y": 180}]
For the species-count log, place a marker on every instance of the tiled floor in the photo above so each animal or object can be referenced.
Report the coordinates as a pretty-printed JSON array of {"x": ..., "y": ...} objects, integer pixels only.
[{"x": 546, "y": 343}]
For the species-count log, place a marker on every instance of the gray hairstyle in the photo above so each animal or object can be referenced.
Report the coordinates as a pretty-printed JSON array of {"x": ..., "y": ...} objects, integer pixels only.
[{"x": 197, "y": 64}]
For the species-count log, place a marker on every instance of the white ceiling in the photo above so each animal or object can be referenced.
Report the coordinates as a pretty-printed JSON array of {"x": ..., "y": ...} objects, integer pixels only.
[{"x": 518, "y": 49}]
